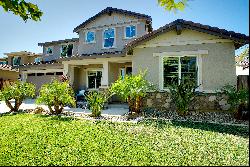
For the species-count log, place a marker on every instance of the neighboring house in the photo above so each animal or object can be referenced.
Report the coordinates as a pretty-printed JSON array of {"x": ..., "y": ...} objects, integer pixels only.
[
  {"x": 49, "y": 68},
  {"x": 242, "y": 66},
  {"x": 9, "y": 65},
  {"x": 4, "y": 60}
]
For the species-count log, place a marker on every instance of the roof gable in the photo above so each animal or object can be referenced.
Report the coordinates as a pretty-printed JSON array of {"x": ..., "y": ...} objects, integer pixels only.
[
  {"x": 109, "y": 11},
  {"x": 179, "y": 25}
]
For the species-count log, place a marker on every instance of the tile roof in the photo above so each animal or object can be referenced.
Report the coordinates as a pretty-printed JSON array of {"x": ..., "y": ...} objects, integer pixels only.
[
  {"x": 239, "y": 39},
  {"x": 109, "y": 10},
  {"x": 35, "y": 64},
  {"x": 7, "y": 67},
  {"x": 94, "y": 55},
  {"x": 59, "y": 41}
]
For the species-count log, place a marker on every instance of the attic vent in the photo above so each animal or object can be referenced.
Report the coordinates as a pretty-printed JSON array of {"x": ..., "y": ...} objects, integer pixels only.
[{"x": 178, "y": 29}]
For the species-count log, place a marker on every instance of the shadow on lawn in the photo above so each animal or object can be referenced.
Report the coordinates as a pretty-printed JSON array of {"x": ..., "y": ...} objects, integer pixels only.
[{"x": 228, "y": 129}]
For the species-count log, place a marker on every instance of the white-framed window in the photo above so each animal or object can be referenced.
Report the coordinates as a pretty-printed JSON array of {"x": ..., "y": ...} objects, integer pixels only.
[
  {"x": 109, "y": 38},
  {"x": 16, "y": 61},
  {"x": 94, "y": 79},
  {"x": 67, "y": 50},
  {"x": 49, "y": 50},
  {"x": 175, "y": 68},
  {"x": 90, "y": 37},
  {"x": 38, "y": 59},
  {"x": 130, "y": 31}
]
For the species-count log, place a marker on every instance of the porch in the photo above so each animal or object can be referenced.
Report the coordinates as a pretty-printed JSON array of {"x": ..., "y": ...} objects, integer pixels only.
[{"x": 96, "y": 74}]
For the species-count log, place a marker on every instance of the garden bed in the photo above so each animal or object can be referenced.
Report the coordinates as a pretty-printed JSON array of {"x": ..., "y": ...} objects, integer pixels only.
[{"x": 222, "y": 117}]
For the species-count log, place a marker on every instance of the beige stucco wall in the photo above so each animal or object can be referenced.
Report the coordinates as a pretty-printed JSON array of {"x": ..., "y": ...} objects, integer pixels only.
[
  {"x": 218, "y": 67},
  {"x": 12, "y": 75},
  {"x": 117, "y": 21},
  {"x": 56, "y": 53}
]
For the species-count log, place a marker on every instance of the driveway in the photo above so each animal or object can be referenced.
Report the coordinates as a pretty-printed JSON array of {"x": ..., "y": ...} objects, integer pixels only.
[{"x": 113, "y": 109}]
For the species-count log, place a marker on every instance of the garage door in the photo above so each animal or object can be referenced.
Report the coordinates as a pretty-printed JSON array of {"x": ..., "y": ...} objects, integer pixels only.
[{"x": 41, "y": 78}]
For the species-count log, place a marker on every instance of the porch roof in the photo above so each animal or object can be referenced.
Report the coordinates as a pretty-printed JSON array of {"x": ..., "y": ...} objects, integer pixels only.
[{"x": 94, "y": 56}]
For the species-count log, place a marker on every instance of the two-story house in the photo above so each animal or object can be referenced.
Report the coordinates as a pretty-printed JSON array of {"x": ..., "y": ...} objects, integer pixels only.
[{"x": 117, "y": 42}]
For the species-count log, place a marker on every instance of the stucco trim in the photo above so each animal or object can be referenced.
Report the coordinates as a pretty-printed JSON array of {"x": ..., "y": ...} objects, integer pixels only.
[
  {"x": 193, "y": 42},
  {"x": 181, "y": 53}
]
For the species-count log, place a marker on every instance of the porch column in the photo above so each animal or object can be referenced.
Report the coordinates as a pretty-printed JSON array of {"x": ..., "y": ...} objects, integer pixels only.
[
  {"x": 71, "y": 74},
  {"x": 105, "y": 75},
  {"x": 23, "y": 77},
  {"x": 65, "y": 69}
]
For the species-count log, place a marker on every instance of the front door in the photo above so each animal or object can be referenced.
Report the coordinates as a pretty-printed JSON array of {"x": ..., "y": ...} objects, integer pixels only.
[{"x": 94, "y": 79}]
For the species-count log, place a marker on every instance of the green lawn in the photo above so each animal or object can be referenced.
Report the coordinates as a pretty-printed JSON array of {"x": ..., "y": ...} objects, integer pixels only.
[{"x": 42, "y": 140}]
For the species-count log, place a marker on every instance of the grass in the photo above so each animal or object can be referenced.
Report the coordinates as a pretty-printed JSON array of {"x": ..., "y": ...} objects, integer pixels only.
[{"x": 43, "y": 140}]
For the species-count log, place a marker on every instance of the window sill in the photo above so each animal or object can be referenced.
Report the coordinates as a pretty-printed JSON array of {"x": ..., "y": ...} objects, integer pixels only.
[
  {"x": 90, "y": 42},
  {"x": 109, "y": 48},
  {"x": 127, "y": 38}
]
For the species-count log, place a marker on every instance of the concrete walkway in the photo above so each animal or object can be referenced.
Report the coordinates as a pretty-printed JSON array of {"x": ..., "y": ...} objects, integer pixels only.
[{"x": 113, "y": 109}]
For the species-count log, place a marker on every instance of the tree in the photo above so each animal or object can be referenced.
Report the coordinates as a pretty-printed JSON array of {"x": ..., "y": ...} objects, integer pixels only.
[
  {"x": 172, "y": 5},
  {"x": 17, "y": 91},
  {"x": 25, "y": 10},
  {"x": 56, "y": 95}
]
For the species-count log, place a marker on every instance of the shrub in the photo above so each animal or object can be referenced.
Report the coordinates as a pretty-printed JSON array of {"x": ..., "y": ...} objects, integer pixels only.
[
  {"x": 39, "y": 110},
  {"x": 18, "y": 91},
  {"x": 236, "y": 98},
  {"x": 132, "y": 88},
  {"x": 96, "y": 101},
  {"x": 183, "y": 94},
  {"x": 56, "y": 95}
]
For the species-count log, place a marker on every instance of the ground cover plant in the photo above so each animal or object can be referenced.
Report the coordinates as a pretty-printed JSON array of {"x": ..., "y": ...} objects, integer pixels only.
[
  {"x": 18, "y": 91},
  {"x": 27, "y": 139}
]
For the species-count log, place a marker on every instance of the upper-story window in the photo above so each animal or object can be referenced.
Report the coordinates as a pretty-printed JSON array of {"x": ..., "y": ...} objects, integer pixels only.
[
  {"x": 67, "y": 50},
  {"x": 16, "y": 61},
  {"x": 49, "y": 50},
  {"x": 38, "y": 59},
  {"x": 130, "y": 31},
  {"x": 90, "y": 37},
  {"x": 109, "y": 38}
]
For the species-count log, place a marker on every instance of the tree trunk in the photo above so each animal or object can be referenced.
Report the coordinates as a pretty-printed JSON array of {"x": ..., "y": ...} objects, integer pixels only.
[
  {"x": 50, "y": 109},
  {"x": 138, "y": 103},
  {"x": 8, "y": 104},
  {"x": 130, "y": 105},
  {"x": 18, "y": 103}
]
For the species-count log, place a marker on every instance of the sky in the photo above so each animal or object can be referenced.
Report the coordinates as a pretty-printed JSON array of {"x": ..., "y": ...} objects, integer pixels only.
[{"x": 60, "y": 17}]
